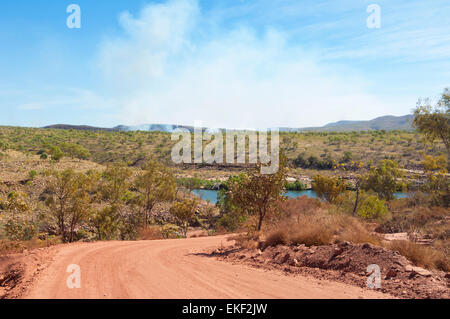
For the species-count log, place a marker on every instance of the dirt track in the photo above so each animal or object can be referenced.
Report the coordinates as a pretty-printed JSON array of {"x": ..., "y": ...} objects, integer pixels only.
[{"x": 173, "y": 269}]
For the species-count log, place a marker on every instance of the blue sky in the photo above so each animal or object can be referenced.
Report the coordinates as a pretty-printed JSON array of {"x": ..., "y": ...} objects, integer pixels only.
[{"x": 225, "y": 63}]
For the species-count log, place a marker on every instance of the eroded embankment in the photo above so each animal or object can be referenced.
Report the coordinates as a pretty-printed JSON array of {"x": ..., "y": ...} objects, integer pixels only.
[
  {"x": 19, "y": 271},
  {"x": 346, "y": 262}
]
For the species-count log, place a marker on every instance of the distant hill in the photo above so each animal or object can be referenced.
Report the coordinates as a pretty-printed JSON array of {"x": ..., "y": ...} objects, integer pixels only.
[
  {"x": 78, "y": 127},
  {"x": 387, "y": 123},
  {"x": 153, "y": 128}
]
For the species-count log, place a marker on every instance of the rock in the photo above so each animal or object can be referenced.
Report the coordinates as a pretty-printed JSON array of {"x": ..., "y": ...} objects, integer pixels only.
[
  {"x": 396, "y": 236},
  {"x": 294, "y": 262},
  {"x": 259, "y": 252},
  {"x": 391, "y": 273},
  {"x": 402, "y": 261},
  {"x": 285, "y": 258},
  {"x": 418, "y": 271},
  {"x": 344, "y": 244}
]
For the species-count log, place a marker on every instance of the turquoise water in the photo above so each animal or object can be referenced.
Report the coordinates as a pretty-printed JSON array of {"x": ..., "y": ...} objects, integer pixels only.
[
  {"x": 206, "y": 194},
  {"x": 308, "y": 192},
  {"x": 211, "y": 195}
]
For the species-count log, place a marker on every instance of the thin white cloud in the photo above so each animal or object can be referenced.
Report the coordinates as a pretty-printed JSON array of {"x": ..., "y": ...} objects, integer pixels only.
[
  {"x": 62, "y": 98},
  {"x": 166, "y": 69}
]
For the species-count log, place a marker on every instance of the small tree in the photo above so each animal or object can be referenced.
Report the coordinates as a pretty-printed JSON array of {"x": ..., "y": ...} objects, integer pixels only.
[
  {"x": 56, "y": 153},
  {"x": 437, "y": 184},
  {"x": 155, "y": 184},
  {"x": 434, "y": 122},
  {"x": 191, "y": 183},
  {"x": 75, "y": 151},
  {"x": 384, "y": 179},
  {"x": 115, "y": 183},
  {"x": 114, "y": 189},
  {"x": 68, "y": 200},
  {"x": 372, "y": 207},
  {"x": 328, "y": 188},
  {"x": 107, "y": 222},
  {"x": 183, "y": 212},
  {"x": 80, "y": 207},
  {"x": 258, "y": 194},
  {"x": 18, "y": 216}
]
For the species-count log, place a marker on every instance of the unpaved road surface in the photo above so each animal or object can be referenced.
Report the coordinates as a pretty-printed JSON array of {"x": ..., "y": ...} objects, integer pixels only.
[{"x": 166, "y": 269}]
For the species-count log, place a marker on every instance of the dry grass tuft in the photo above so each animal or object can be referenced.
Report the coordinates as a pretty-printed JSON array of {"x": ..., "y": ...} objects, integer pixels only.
[
  {"x": 355, "y": 231},
  {"x": 276, "y": 237},
  {"x": 308, "y": 221},
  {"x": 12, "y": 247},
  {"x": 421, "y": 255},
  {"x": 312, "y": 235}
]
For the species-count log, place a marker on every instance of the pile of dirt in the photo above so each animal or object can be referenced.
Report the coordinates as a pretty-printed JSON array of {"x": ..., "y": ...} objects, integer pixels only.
[
  {"x": 346, "y": 262},
  {"x": 18, "y": 271}
]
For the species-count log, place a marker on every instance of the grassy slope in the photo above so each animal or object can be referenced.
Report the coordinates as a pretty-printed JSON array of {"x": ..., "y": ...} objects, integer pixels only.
[{"x": 133, "y": 147}]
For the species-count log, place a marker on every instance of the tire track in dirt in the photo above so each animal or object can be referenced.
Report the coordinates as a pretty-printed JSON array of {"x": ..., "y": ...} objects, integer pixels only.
[{"x": 165, "y": 269}]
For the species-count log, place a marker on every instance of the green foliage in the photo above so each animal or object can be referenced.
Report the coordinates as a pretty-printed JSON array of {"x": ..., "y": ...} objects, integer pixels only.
[
  {"x": 231, "y": 220},
  {"x": 258, "y": 194},
  {"x": 3, "y": 146},
  {"x": 32, "y": 174},
  {"x": 295, "y": 186},
  {"x": 328, "y": 188},
  {"x": 313, "y": 162},
  {"x": 184, "y": 212},
  {"x": 170, "y": 231},
  {"x": 75, "y": 151},
  {"x": 384, "y": 179},
  {"x": 115, "y": 183},
  {"x": 108, "y": 147},
  {"x": 68, "y": 200},
  {"x": 19, "y": 224},
  {"x": 437, "y": 183},
  {"x": 434, "y": 122},
  {"x": 155, "y": 184},
  {"x": 56, "y": 153},
  {"x": 107, "y": 222},
  {"x": 348, "y": 156},
  {"x": 190, "y": 183},
  {"x": 372, "y": 207}
]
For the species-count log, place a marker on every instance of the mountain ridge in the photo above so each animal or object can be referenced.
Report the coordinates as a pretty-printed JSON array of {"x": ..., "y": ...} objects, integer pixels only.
[{"x": 387, "y": 122}]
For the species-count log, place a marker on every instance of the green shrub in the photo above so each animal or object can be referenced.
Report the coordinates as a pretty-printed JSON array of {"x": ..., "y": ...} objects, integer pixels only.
[
  {"x": 372, "y": 207},
  {"x": 231, "y": 221},
  {"x": 32, "y": 174},
  {"x": 296, "y": 186}
]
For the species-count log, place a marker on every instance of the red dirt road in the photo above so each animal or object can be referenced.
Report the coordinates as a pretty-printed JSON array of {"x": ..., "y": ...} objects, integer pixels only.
[{"x": 166, "y": 269}]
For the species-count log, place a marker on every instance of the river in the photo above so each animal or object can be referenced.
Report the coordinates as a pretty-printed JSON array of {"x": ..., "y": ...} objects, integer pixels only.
[{"x": 211, "y": 195}]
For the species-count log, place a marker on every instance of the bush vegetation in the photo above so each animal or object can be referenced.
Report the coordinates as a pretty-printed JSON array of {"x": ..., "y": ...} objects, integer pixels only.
[{"x": 98, "y": 185}]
